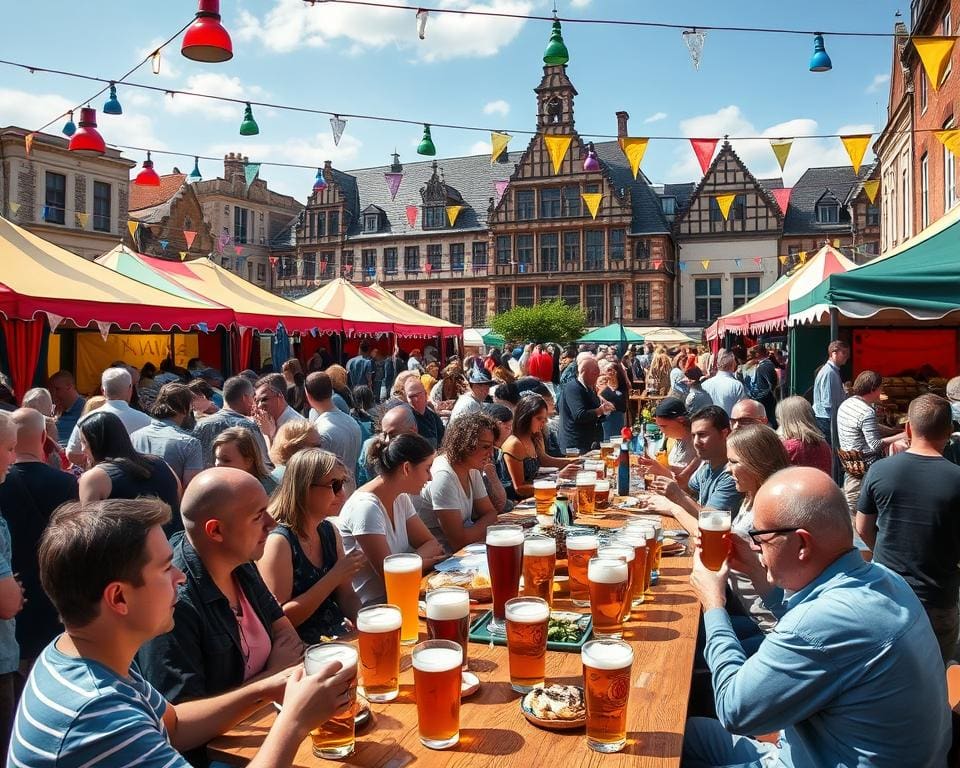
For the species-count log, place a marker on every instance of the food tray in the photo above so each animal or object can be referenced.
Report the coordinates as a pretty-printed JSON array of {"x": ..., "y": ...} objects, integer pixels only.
[{"x": 479, "y": 634}]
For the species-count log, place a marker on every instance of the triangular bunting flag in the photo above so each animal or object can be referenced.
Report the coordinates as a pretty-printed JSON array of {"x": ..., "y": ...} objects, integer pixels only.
[
  {"x": 203, "y": 327},
  {"x": 238, "y": 249},
  {"x": 736, "y": 262},
  {"x": 412, "y": 212},
  {"x": 393, "y": 183},
  {"x": 82, "y": 219},
  {"x": 250, "y": 171},
  {"x": 183, "y": 255},
  {"x": 836, "y": 243},
  {"x": 683, "y": 266},
  {"x": 164, "y": 244},
  {"x": 856, "y": 146},
  {"x": 803, "y": 255},
  {"x": 452, "y": 212},
  {"x": 634, "y": 150},
  {"x": 189, "y": 237},
  {"x": 500, "y": 187},
  {"x": 935, "y": 55},
  {"x": 428, "y": 267},
  {"x": 657, "y": 263},
  {"x": 871, "y": 187},
  {"x": 782, "y": 196},
  {"x": 557, "y": 146},
  {"x": 498, "y": 143},
  {"x": 758, "y": 260},
  {"x": 104, "y": 327},
  {"x": 783, "y": 259},
  {"x": 54, "y": 320},
  {"x": 28, "y": 142},
  {"x": 592, "y": 199},
  {"x": 781, "y": 148},
  {"x": 15, "y": 208},
  {"x": 132, "y": 226},
  {"x": 723, "y": 203},
  {"x": 950, "y": 139},
  {"x": 337, "y": 124},
  {"x": 705, "y": 263},
  {"x": 45, "y": 212},
  {"x": 703, "y": 149},
  {"x": 273, "y": 260}
]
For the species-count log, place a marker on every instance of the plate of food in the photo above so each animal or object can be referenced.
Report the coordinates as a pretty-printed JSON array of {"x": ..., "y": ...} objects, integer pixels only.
[
  {"x": 672, "y": 546},
  {"x": 626, "y": 501},
  {"x": 476, "y": 583},
  {"x": 555, "y": 707}
]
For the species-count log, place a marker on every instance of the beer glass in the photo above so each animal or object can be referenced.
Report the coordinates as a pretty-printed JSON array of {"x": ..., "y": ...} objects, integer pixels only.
[
  {"x": 645, "y": 529},
  {"x": 598, "y": 467},
  {"x": 334, "y": 739},
  {"x": 609, "y": 591},
  {"x": 606, "y": 449},
  {"x": 586, "y": 490},
  {"x": 601, "y": 494},
  {"x": 448, "y": 616},
  {"x": 579, "y": 551},
  {"x": 539, "y": 566},
  {"x": 504, "y": 561},
  {"x": 616, "y": 550},
  {"x": 436, "y": 683},
  {"x": 655, "y": 522},
  {"x": 378, "y": 633},
  {"x": 714, "y": 537},
  {"x": 571, "y": 453},
  {"x": 633, "y": 538},
  {"x": 401, "y": 573},
  {"x": 544, "y": 492},
  {"x": 606, "y": 688},
  {"x": 527, "y": 619},
  {"x": 610, "y": 464}
]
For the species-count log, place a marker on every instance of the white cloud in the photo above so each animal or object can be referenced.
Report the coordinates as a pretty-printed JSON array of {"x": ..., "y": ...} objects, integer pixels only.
[
  {"x": 656, "y": 117},
  {"x": 498, "y": 107},
  {"x": 218, "y": 85},
  {"x": 580, "y": 3},
  {"x": 480, "y": 148},
  {"x": 878, "y": 82},
  {"x": 293, "y": 24}
]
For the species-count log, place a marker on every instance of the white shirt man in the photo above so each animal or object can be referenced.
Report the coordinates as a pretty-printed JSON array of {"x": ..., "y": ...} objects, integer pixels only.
[{"x": 117, "y": 386}]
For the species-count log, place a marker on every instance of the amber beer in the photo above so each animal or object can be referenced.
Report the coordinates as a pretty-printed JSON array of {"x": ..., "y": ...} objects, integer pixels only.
[
  {"x": 334, "y": 739},
  {"x": 605, "y": 450},
  {"x": 601, "y": 494},
  {"x": 544, "y": 492},
  {"x": 539, "y": 566},
  {"x": 619, "y": 551},
  {"x": 606, "y": 686},
  {"x": 527, "y": 619},
  {"x": 609, "y": 590},
  {"x": 448, "y": 616},
  {"x": 657, "y": 525},
  {"x": 714, "y": 538},
  {"x": 586, "y": 492},
  {"x": 649, "y": 533},
  {"x": 378, "y": 632},
  {"x": 504, "y": 561},
  {"x": 436, "y": 683},
  {"x": 633, "y": 538},
  {"x": 579, "y": 551},
  {"x": 401, "y": 574}
]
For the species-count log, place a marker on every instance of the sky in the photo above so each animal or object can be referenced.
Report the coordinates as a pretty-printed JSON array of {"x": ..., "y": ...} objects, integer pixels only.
[{"x": 477, "y": 71}]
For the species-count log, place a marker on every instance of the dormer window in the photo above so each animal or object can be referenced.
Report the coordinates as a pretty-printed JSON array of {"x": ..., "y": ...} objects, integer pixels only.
[
  {"x": 669, "y": 206},
  {"x": 828, "y": 212},
  {"x": 434, "y": 217},
  {"x": 371, "y": 222}
]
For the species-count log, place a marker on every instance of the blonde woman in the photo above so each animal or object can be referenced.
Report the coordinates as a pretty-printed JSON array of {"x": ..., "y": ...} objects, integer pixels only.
[
  {"x": 341, "y": 389},
  {"x": 236, "y": 447},
  {"x": 303, "y": 562},
  {"x": 658, "y": 374},
  {"x": 398, "y": 383},
  {"x": 291, "y": 437},
  {"x": 797, "y": 427}
]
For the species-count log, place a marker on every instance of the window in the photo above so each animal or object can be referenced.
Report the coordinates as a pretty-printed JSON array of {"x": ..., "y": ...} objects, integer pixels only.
[
  {"x": 641, "y": 301},
  {"x": 261, "y": 273},
  {"x": 571, "y": 295},
  {"x": 287, "y": 267},
  {"x": 594, "y": 304},
  {"x": 947, "y": 32},
  {"x": 55, "y": 201},
  {"x": 368, "y": 261},
  {"x": 371, "y": 222},
  {"x": 413, "y": 298},
  {"x": 906, "y": 192},
  {"x": 706, "y": 291},
  {"x": 456, "y": 257},
  {"x": 434, "y": 217},
  {"x": 550, "y": 252},
  {"x": 873, "y": 216},
  {"x": 571, "y": 201},
  {"x": 327, "y": 264},
  {"x": 641, "y": 254},
  {"x": 744, "y": 289},
  {"x": 524, "y": 253},
  {"x": 525, "y": 204},
  {"x": 828, "y": 212},
  {"x": 478, "y": 307},
  {"x": 333, "y": 223},
  {"x": 549, "y": 292},
  {"x": 949, "y": 177},
  {"x": 479, "y": 256},
  {"x": 870, "y": 249},
  {"x": 240, "y": 221},
  {"x": 434, "y": 302},
  {"x": 435, "y": 257},
  {"x": 669, "y": 206},
  {"x": 571, "y": 251},
  {"x": 411, "y": 258},
  {"x": 593, "y": 249},
  {"x": 924, "y": 192},
  {"x": 308, "y": 226},
  {"x": 550, "y": 203},
  {"x": 456, "y": 306},
  {"x": 309, "y": 266},
  {"x": 346, "y": 263},
  {"x": 320, "y": 221},
  {"x": 525, "y": 296},
  {"x": 102, "y": 193},
  {"x": 249, "y": 270},
  {"x": 616, "y": 302},
  {"x": 390, "y": 261},
  {"x": 503, "y": 249},
  {"x": 738, "y": 209},
  {"x": 504, "y": 298},
  {"x": 617, "y": 239}
]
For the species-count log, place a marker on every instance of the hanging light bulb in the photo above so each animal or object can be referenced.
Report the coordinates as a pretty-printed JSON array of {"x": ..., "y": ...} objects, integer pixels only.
[
  {"x": 820, "y": 61},
  {"x": 69, "y": 127},
  {"x": 591, "y": 162},
  {"x": 206, "y": 40},
  {"x": 195, "y": 173},
  {"x": 155, "y": 61},
  {"x": 422, "y": 15},
  {"x": 249, "y": 126},
  {"x": 320, "y": 183},
  {"x": 426, "y": 146},
  {"x": 112, "y": 105},
  {"x": 87, "y": 138},
  {"x": 147, "y": 177},
  {"x": 556, "y": 52}
]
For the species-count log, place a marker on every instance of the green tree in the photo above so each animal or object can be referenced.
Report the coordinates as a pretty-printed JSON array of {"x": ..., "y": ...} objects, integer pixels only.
[{"x": 549, "y": 321}]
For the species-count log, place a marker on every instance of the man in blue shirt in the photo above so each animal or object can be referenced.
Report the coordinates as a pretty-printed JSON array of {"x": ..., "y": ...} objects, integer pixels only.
[
  {"x": 69, "y": 404},
  {"x": 852, "y": 674},
  {"x": 360, "y": 369},
  {"x": 828, "y": 390},
  {"x": 725, "y": 389}
]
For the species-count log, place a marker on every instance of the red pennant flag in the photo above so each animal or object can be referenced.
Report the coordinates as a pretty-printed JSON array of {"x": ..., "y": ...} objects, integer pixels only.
[
  {"x": 657, "y": 263},
  {"x": 323, "y": 266},
  {"x": 703, "y": 148},
  {"x": 274, "y": 260},
  {"x": 189, "y": 237},
  {"x": 782, "y": 197},
  {"x": 412, "y": 212},
  {"x": 758, "y": 260},
  {"x": 428, "y": 267},
  {"x": 238, "y": 249}
]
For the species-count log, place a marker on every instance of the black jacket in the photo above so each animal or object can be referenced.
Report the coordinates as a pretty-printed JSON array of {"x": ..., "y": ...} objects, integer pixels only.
[{"x": 580, "y": 427}]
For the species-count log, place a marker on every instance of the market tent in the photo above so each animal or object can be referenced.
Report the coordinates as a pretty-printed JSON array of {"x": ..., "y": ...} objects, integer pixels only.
[
  {"x": 493, "y": 339},
  {"x": 413, "y": 321},
  {"x": 659, "y": 335},
  {"x": 611, "y": 334}
]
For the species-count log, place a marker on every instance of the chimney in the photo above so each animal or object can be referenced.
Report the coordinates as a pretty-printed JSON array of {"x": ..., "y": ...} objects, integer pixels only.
[
  {"x": 233, "y": 168},
  {"x": 622, "y": 118},
  {"x": 327, "y": 167},
  {"x": 396, "y": 167}
]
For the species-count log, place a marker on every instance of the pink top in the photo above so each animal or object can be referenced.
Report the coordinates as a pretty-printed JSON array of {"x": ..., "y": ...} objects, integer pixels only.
[
  {"x": 254, "y": 639},
  {"x": 817, "y": 455}
]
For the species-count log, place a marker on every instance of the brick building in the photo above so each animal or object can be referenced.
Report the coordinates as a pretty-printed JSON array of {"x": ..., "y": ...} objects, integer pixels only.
[{"x": 169, "y": 211}]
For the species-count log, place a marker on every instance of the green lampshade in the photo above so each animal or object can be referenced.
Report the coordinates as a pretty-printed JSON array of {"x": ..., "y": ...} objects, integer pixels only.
[
  {"x": 556, "y": 52},
  {"x": 249, "y": 126},
  {"x": 426, "y": 146}
]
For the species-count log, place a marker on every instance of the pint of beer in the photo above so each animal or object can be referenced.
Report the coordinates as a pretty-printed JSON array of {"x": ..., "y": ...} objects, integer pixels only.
[
  {"x": 714, "y": 537},
  {"x": 527, "y": 619},
  {"x": 657, "y": 524},
  {"x": 448, "y": 616},
  {"x": 586, "y": 490},
  {"x": 605, "y": 450},
  {"x": 544, "y": 492},
  {"x": 606, "y": 688},
  {"x": 504, "y": 561},
  {"x": 638, "y": 567},
  {"x": 539, "y": 565},
  {"x": 596, "y": 466},
  {"x": 619, "y": 551},
  {"x": 579, "y": 551},
  {"x": 334, "y": 739},
  {"x": 601, "y": 494},
  {"x": 401, "y": 574},
  {"x": 609, "y": 592},
  {"x": 436, "y": 682},
  {"x": 645, "y": 529},
  {"x": 378, "y": 632}
]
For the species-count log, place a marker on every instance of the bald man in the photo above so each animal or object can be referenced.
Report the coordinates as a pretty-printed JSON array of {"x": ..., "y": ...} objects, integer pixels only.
[
  {"x": 581, "y": 409},
  {"x": 399, "y": 420},
  {"x": 851, "y": 676},
  {"x": 747, "y": 412}
]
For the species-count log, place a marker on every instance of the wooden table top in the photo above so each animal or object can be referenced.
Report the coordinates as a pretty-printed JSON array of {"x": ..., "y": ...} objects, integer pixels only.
[{"x": 663, "y": 634}]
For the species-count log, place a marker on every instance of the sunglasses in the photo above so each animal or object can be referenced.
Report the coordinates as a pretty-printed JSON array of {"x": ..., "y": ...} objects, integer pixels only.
[
  {"x": 334, "y": 485},
  {"x": 753, "y": 533}
]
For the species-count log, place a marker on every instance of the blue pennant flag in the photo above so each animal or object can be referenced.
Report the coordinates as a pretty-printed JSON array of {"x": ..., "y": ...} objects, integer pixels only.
[
  {"x": 203, "y": 327},
  {"x": 523, "y": 267},
  {"x": 164, "y": 244},
  {"x": 683, "y": 266}
]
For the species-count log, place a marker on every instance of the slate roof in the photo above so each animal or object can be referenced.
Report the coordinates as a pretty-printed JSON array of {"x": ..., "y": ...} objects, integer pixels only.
[{"x": 840, "y": 181}]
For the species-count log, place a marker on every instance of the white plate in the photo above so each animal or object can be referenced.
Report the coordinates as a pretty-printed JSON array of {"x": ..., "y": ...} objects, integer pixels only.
[
  {"x": 627, "y": 501},
  {"x": 476, "y": 549},
  {"x": 543, "y": 471}
]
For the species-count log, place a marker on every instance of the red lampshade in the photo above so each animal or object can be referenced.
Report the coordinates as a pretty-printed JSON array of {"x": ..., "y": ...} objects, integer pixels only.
[
  {"x": 87, "y": 139},
  {"x": 206, "y": 40},
  {"x": 147, "y": 177}
]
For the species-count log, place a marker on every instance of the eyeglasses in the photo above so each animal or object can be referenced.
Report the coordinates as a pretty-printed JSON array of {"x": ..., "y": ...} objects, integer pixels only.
[
  {"x": 744, "y": 420},
  {"x": 753, "y": 533},
  {"x": 334, "y": 485}
]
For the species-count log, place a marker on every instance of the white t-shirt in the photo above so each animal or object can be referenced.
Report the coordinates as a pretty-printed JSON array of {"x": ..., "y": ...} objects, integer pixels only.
[
  {"x": 445, "y": 491},
  {"x": 132, "y": 421},
  {"x": 465, "y": 404},
  {"x": 362, "y": 514}
]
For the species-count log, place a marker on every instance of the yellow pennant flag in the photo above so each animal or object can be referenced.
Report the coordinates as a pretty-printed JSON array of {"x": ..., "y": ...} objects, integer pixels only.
[
  {"x": 557, "y": 146},
  {"x": 15, "y": 208},
  {"x": 452, "y": 212},
  {"x": 783, "y": 259},
  {"x": 183, "y": 255},
  {"x": 950, "y": 139},
  {"x": 724, "y": 202},
  {"x": 705, "y": 263},
  {"x": 592, "y": 199},
  {"x": 634, "y": 149},
  {"x": 132, "y": 226},
  {"x": 871, "y": 187},
  {"x": 82, "y": 219},
  {"x": 836, "y": 243},
  {"x": 28, "y": 142},
  {"x": 935, "y": 55},
  {"x": 802, "y": 256},
  {"x": 498, "y": 143},
  {"x": 856, "y": 146},
  {"x": 781, "y": 148}
]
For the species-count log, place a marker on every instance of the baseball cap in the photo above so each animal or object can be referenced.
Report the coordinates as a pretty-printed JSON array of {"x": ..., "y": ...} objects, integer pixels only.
[{"x": 671, "y": 408}]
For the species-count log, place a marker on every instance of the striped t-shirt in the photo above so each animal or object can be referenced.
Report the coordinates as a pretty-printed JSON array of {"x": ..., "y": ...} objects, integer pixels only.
[
  {"x": 76, "y": 712},
  {"x": 857, "y": 428}
]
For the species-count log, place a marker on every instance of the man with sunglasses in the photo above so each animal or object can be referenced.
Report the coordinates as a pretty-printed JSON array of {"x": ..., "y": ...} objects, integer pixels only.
[
  {"x": 848, "y": 678},
  {"x": 747, "y": 412}
]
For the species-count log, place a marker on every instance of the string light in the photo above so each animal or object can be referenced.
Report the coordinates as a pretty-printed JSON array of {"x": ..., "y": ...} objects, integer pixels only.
[{"x": 155, "y": 62}]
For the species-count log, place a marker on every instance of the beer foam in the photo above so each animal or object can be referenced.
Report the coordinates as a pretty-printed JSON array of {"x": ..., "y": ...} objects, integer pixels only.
[
  {"x": 607, "y": 571},
  {"x": 587, "y": 478},
  {"x": 381, "y": 619},
  {"x": 614, "y": 552},
  {"x": 437, "y": 659},
  {"x": 551, "y": 484},
  {"x": 403, "y": 563},
  {"x": 540, "y": 547},
  {"x": 504, "y": 537},
  {"x": 448, "y": 605},
  {"x": 602, "y": 485},
  {"x": 317, "y": 655},
  {"x": 599, "y": 654},
  {"x": 528, "y": 612},
  {"x": 716, "y": 523},
  {"x": 582, "y": 542}
]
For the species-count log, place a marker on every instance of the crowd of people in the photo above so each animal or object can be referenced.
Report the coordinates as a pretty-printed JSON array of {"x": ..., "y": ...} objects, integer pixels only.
[{"x": 169, "y": 545}]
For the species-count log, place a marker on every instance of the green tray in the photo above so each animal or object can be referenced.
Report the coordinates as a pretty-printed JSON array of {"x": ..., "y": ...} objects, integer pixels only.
[{"x": 479, "y": 634}]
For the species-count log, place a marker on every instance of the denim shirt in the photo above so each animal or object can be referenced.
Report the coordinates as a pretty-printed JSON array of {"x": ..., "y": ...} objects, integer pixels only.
[{"x": 851, "y": 674}]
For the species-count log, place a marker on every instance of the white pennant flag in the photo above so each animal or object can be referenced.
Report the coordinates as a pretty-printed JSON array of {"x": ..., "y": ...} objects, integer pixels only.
[
  {"x": 104, "y": 326},
  {"x": 337, "y": 124},
  {"x": 54, "y": 320}
]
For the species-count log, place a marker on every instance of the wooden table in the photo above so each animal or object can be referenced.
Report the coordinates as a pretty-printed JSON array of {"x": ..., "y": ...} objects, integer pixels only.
[{"x": 663, "y": 634}]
